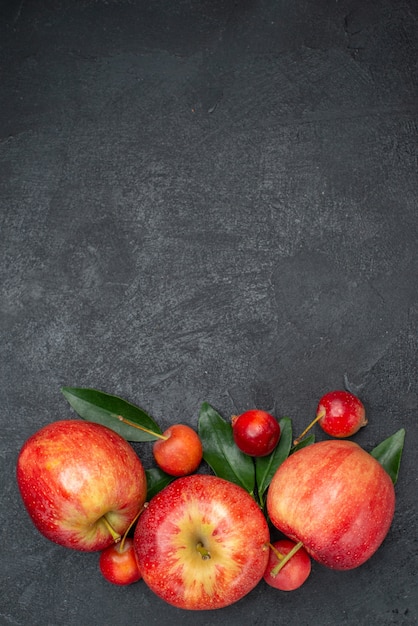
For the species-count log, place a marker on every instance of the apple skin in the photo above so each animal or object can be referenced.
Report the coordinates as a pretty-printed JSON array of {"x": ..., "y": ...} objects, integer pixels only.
[
  {"x": 335, "y": 498},
  {"x": 210, "y": 513},
  {"x": 118, "y": 563},
  {"x": 180, "y": 453},
  {"x": 73, "y": 473}
]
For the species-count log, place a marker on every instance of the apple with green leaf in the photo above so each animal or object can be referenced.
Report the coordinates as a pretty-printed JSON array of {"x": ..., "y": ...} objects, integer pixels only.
[
  {"x": 81, "y": 483},
  {"x": 336, "y": 499},
  {"x": 202, "y": 543}
]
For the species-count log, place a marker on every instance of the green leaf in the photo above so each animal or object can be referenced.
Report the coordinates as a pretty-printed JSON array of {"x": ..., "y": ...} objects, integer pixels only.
[
  {"x": 103, "y": 408},
  {"x": 220, "y": 451},
  {"x": 156, "y": 481},
  {"x": 266, "y": 466},
  {"x": 302, "y": 444},
  {"x": 389, "y": 453}
]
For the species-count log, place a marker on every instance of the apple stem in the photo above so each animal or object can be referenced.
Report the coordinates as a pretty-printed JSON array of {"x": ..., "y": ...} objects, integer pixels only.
[
  {"x": 205, "y": 554},
  {"x": 138, "y": 427},
  {"x": 319, "y": 416},
  {"x": 115, "y": 535},
  {"x": 279, "y": 555},
  {"x": 285, "y": 558}
]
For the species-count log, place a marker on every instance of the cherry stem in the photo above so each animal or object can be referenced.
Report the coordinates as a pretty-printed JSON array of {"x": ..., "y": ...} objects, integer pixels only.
[
  {"x": 283, "y": 559},
  {"x": 125, "y": 534},
  {"x": 138, "y": 427},
  {"x": 319, "y": 416},
  {"x": 115, "y": 535},
  {"x": 205, "y": 554}
]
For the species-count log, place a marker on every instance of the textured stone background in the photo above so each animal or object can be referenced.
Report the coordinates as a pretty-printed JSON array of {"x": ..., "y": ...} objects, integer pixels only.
[{"x": 208, "y": 201}]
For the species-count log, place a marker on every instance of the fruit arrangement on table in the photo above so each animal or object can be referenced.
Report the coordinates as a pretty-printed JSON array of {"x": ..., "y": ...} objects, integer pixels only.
[{"x": 203, "y": 539}]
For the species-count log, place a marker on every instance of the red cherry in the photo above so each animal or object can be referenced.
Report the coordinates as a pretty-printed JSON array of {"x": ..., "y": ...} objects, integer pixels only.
[
  {"x": 339, "y": 414},
  {"x": 118, "y": 563},
  {"x": 255, "y": 432},
  {"x": 343, "y": 414},
  {"x": 178, "y": 451},
  {"x": 291, "y": 575}
]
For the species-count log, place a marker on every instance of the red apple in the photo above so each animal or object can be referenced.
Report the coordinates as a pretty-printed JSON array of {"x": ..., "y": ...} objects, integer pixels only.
[
  {"x": 178, "y": 451},
  {"x": 118, "y": 563},
  {"x": 336, "y": 499},
  {"x": 202, "y": 543},
  {"x": 81, "y": 483},
  {"x": 255, "y": 432},
  {"x": 294, "y": 573}
]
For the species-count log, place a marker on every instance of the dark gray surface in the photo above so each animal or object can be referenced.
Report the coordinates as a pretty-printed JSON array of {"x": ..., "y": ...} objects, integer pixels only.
[{"x": 208, "y": 201}]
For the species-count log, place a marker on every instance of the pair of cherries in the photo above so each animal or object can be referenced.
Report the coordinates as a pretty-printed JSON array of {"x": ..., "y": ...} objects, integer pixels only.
[{"x": 339, "y": 414}]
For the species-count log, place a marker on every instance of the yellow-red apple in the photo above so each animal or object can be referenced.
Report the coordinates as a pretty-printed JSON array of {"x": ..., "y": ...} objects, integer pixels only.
[
  {"x": 81, "y": 483},
  {"x": 202, "y": 543},
  {"x": 336, "y": 499}
]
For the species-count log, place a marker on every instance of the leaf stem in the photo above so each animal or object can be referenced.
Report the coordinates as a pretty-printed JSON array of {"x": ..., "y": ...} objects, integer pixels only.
[{"x": 138, "y": 427}]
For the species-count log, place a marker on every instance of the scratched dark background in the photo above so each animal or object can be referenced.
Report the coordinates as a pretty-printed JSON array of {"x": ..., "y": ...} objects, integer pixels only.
[{"x": 208, "y": 201}]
